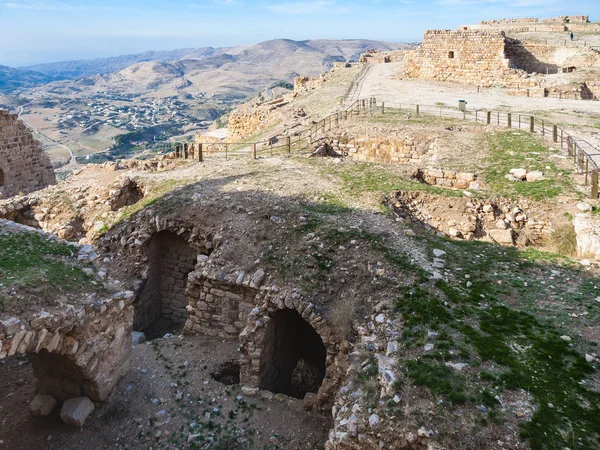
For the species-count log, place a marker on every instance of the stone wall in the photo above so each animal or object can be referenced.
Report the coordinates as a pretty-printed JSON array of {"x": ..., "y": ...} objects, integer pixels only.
[
  {"x": 466, "y": 57},
  {"x": 542, "y": 58},
  {"x": 250, "y": 120},
  {"x": 23, "y": 165},
  {"x": 388, "y": 150},
  {"x": 307, "y": 84},
  {"x": 503, "y": 221},
  {"x": 448, "y": 178},
  {"x": 567, "y": 19},
  {"x": 170, "y": 260},
  {"x": 217, "y": 308},
  {"x": 77, "y": 350}
]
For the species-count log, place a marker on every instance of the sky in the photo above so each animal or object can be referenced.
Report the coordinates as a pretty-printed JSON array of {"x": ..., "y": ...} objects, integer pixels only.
[{"x": 38, "y": 31}]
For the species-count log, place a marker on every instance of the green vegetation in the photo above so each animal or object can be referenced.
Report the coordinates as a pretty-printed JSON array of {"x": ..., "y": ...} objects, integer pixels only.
[
  {"x": 27, "y": 261},
  {"x": 515, "y": 149},
  {"x": 366, "y": 177},
  {"x": 504, "y": 322}
]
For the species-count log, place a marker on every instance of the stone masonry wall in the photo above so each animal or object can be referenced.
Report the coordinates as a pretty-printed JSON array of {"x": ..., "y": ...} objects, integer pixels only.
[
  {"x": 388, "y": 150},
  {"x": 448, "y": 178},
  {"x": 217, "y": 308},
  {"x": 466, "y": 57},
  {"x": 170, "y": 259},
  {"x": 23, "y": 165}
]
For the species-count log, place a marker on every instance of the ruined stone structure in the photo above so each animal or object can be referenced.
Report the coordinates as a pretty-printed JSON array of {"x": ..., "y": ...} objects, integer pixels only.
[
  {"x": 171, "y": 259},
  {"x": 447, "y": 178},
  {"x": 393, "y": 150},
  {"x": 306, "y": 84},
  {"x": 247, "y": 122},
  {"x": 234, "y": 306},
  {"x": 466, "y": 57},
  {"x": 75, "y": 351},
  {"x": 23, "y": 165},
  {"x": 503, "y": 221},
  {"x": 526, "y": 25}
]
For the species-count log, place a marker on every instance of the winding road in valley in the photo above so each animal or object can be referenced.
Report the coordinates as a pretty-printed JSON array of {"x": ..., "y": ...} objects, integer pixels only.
[{"x": 72, "y": 164}]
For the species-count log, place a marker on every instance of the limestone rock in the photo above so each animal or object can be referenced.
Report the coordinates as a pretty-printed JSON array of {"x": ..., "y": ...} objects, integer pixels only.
[
  {"x": 520, "y": 174},
  {"x": 75, "y": 411},
  {"x": 503, "y": 237},
  {"x": 42, "y": 405},
  {"x": 534, "y": 175}
]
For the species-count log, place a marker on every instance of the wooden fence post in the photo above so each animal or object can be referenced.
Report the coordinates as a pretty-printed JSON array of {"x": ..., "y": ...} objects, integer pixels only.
[
  {"x": 531, "y": 124},
  {"x": 488, "y": 119},
  {"x": 417, "y": 110},
  {"x": 509, "y": 119},
  {"x": 200, "y": 159},
  {"x": 253, "y": 151},
  {"x": 519, "y": 121},
  {"x": 554, "y": 133},
  {"x": 382, "y": 107},
  {"x": 543, "y": 128},
  {"x": 476, "y": 114},
  {"x": 498, "y": 118},
  {"x": 587, "y": 168},
  {"x": 289, "y": 144},
  {"x": 562, "y": 141},
  {"x": 594, "y": 184}
]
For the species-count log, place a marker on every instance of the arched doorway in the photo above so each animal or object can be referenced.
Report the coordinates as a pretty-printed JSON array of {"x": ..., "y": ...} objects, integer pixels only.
[
  {"x": 293, "y": 358},
  {"x": 161, "y": 305}
]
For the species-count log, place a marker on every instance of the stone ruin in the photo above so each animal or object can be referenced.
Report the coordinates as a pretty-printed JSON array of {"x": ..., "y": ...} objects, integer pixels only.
[
  {"x": 23, "y": 165},
  {"x": 490, "y": 59},
  {"x": 286, "y": 345},
  {"x": 466, "y": 57},
  {"x": 77, "y": 349}
]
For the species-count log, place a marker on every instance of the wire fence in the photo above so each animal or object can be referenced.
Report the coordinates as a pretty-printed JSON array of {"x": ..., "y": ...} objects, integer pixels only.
[{"x": 584, "y": 155}]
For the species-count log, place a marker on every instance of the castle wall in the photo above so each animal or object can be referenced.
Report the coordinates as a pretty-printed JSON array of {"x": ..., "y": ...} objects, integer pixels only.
[
  {"x": 465, "y": 57},
  {"x": 23, "y": 165}
]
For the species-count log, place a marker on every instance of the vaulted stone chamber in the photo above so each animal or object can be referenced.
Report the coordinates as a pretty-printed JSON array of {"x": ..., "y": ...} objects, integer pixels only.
[
  {"x": 293, "y": 356},
  {"x": 170, "y": 260}
]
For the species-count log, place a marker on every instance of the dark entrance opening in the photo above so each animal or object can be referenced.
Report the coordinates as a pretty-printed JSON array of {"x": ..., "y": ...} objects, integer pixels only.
[
  {"x": 293, "y": 358},
  {"x": 160, "y": 307},
  {"x": 1, "y": 177},
  {"x": 227, "y": 373},
  {"x": 451, "y": 55}
]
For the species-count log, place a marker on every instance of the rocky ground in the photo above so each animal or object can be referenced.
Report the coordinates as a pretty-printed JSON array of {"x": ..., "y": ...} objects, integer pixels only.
[
  {"x": 169, "y": 399},
  {"x": 454, "y": 343}
]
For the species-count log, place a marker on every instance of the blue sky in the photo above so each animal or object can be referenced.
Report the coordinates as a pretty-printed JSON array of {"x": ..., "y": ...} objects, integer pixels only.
[{"x": 37, "y": 31}]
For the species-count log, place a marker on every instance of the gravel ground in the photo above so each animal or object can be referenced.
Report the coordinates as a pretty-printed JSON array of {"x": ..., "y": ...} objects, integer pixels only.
[{"x": 167, "y": 400}]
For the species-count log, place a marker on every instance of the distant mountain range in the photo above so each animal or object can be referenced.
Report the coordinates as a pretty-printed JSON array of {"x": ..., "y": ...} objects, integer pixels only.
[
  {"x": 344, "y": 50},
  {"x": 84, "y": 68},
  {"x": 11, "y": 79},
  {"x": 239, "y": 71}
]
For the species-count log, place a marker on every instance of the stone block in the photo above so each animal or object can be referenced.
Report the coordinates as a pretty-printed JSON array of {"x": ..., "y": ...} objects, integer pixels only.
[
  {"x": 75, "y": 411},
  {"x": 42, "y": 405}
]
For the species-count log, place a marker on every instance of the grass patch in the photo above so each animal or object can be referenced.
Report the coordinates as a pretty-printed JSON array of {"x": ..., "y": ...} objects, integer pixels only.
[
  {"x": 515, "y": 149},
  {"x": 510, "y": 316},
  {"x": 31, "y": 262},
  {"x": 367, "y": 177}
]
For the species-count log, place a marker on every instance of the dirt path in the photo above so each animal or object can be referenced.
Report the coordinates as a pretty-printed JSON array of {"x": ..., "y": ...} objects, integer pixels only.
[{"x": 380, "y": 82}]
